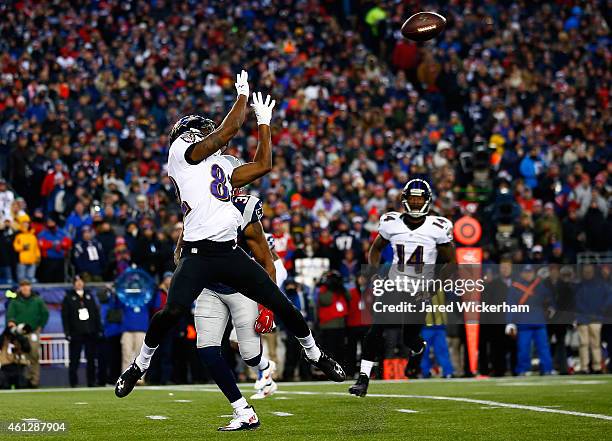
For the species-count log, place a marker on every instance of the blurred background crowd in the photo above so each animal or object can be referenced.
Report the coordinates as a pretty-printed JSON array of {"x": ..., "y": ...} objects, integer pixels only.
[{"x": 507, "y": 115}]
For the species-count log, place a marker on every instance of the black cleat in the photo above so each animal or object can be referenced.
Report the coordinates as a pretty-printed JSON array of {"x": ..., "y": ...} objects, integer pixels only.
[
  {"x": 128, "y": 379},
  {"x": 329, "y": 367},
  {"x": 360, "y": 388}
]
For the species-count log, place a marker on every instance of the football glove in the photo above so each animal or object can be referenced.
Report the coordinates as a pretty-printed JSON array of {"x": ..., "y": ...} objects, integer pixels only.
[
  {"x": 265, "y": 321},
  {"x": 263, "y": 110},
  {"x": 242, "y": 84}
]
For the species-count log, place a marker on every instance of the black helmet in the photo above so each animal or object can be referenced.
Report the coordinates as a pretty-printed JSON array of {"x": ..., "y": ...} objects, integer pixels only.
[
  {"x": 417, "y": 187},
  {"x": 188, "y": 122}
]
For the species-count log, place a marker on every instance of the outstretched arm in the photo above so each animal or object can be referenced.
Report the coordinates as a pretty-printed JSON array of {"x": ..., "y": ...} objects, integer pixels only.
[
  {"x": 229, "y": 127},
  {"x": 262, "y": 163}
]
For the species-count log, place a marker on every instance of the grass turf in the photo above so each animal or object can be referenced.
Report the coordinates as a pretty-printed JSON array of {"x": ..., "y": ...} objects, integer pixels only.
[{"x": 325, "y": 412}]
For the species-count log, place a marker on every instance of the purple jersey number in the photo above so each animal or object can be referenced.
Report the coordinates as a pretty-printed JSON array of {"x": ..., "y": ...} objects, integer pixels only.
[{"x": 218, "y": 188}]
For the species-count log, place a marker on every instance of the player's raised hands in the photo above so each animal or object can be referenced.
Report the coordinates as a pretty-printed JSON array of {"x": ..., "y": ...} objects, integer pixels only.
[
  {"x": 242, "y": 83},
  {"x": 263, "y": 109}
]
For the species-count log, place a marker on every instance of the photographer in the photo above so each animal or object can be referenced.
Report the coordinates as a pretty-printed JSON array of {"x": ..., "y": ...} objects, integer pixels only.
[
  {"x": 333, "y": 304},
  {"x": 29, "y": 309},
  {"x": 82, "y": 326},
  {"x": 14, "y": 347}
]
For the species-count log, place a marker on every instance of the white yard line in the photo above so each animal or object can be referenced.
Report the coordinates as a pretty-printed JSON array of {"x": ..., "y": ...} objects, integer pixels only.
[
  {"x": 407, "y": 411},
  {"x": 473, "y": 401},
  {"x": 282, "y": 414}
]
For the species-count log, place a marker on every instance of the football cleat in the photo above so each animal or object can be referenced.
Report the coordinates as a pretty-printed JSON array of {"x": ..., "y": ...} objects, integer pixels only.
[
  {"x": 128, "y": 379},
  {"x": 360, "y": 388},
  {"x": 329, "y": 367},
  {"x": 244, "y": 419},
  {"x": 264, "y": 377},
  {"x": 265, "y": 392}
]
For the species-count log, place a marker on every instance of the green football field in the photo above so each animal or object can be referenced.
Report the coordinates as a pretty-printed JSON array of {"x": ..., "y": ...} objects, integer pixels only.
[{"x": 526, "y": 408}]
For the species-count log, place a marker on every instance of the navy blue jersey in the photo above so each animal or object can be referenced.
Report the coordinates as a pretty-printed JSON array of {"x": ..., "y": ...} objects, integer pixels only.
[{"x": 251, "y": 209}]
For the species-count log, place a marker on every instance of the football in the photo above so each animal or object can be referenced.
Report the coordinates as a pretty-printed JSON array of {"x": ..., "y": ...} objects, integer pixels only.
[{"x": 423, "y": 26}]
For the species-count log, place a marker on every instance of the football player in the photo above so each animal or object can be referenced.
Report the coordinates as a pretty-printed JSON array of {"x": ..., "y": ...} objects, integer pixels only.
[
  {"x": 218, "y": 301},
  {"x": 204, "y": 181},
  {"x": 417, "y": 240}
]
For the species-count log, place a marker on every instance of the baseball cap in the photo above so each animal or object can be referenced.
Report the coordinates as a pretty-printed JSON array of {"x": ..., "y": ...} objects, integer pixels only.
[
  {"x": 167, "y": 274},
  {"x": 537, "y": 249}
]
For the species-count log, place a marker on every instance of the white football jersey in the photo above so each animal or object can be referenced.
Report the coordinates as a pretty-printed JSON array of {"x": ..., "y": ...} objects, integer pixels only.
[
  {"x": 414, "y": 248},
  {"x": 204, "y": 191}
]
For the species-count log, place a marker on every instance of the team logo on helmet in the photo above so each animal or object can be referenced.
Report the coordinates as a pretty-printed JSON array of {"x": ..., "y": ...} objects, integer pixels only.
[
  {"x": 417, "y": 188},
  {"x": 188, "y": 122}
]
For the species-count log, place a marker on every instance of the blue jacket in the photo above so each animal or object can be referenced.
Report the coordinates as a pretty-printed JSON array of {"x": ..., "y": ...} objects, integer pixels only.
[
  {"x": 89, "y": 257},
  {"x": 135, "y": 319},
  {"x": 528, "y": 170},
  {"x": 592, "y": 298},
  {"x": 110, "y": 329},
  {"x": 53, "y": 236},
  {"x": 538, "y": 302}
]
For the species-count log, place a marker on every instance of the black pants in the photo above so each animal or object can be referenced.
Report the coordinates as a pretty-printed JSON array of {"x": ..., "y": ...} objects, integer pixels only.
[
  {"x": 204, "y": 263},
  {"x": 77, "y": 343},
  {"x": 109, "y": 359},
  {"x": 559, "y": 351},
  {"x": 334, "y": 342},
  {"x": 374, "y": 339},
  {"x": 492, "y": 350},
  {"x": 355, "y": 337}
]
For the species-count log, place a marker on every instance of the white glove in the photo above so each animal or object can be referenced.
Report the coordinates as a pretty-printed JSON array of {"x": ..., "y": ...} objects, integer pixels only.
[
  {"x": 263, "y": 110},
  {"x": 511, "y": 329},
  {"x": 242, "y": 84}
]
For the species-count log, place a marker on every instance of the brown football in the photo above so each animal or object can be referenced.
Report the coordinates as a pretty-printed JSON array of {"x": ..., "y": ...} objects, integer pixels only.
[{"x": 423, "y": 26}]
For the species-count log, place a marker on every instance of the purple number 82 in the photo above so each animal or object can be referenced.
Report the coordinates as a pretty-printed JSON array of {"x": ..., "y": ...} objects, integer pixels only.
[{"x": 217, "y": 187}]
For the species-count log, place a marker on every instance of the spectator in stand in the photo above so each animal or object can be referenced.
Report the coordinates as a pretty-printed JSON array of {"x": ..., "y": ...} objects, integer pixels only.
[
  {"x": 55, "y": 246},
  {"x": 7, "y": 258},
  {"x": 26, "y": 245},
  {"x": 77, "y": 220},
  {"x": 591, "y": 302},
  {"x": 147, "y": 254},
  {"x": 29, "y": 309},
  {"x": 83, "y": 329},
  {"x": 6, "y": 200},
  {"x": 88, "y": 256}
]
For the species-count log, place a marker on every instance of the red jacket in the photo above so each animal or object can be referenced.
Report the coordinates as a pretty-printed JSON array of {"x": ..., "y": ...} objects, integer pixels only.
[{"x": 359, "y": 309}]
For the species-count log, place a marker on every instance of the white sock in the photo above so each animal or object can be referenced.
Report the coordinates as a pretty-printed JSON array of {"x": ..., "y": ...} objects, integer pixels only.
[
  {"x": 263, "y": 364},
  {"x": 239, "y": 404},
  {"x": 144, "y": 358},
  {"x": 366, "y": 367},
  {"x": 310, "y": 347}
]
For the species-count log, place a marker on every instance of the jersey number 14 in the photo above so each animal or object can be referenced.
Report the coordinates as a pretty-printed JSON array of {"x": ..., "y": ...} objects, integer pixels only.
[{"x": 415, "y": 259}]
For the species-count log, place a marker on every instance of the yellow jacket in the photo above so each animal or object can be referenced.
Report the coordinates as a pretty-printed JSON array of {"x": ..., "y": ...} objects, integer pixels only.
[{"x": 26, "y": 244}]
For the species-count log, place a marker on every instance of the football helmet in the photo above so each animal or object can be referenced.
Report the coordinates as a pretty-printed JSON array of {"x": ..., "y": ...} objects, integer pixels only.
[
  {"x": 417, "y": 187},
  {"x": 189, "y": 122}
]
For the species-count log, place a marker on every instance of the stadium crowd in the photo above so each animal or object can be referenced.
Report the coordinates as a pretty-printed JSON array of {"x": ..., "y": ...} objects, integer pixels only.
[{"x": 507, "y": 115}]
